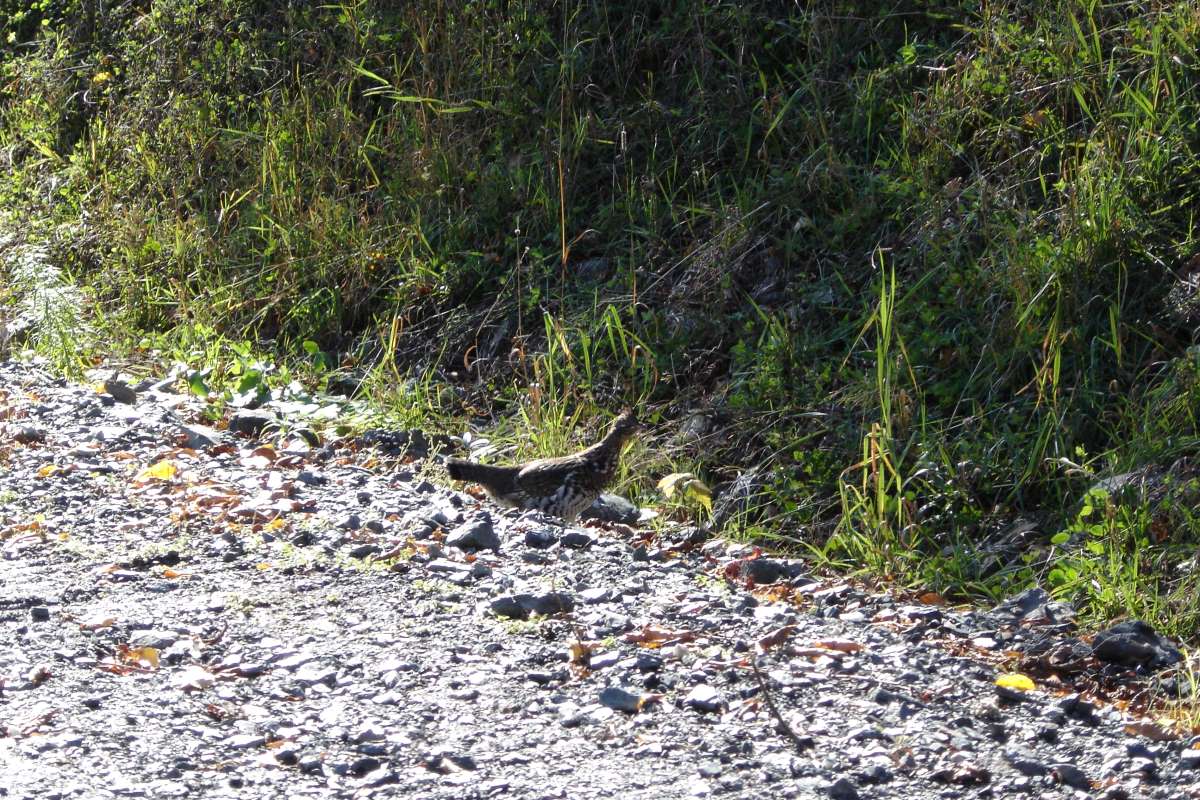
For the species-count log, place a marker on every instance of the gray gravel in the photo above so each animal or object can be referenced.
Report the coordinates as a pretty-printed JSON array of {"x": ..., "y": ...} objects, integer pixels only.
[{"x": 264, "y": 619}]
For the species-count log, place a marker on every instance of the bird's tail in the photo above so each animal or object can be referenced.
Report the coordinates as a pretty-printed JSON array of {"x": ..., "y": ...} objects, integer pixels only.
[{"x": 463, "y": 470}]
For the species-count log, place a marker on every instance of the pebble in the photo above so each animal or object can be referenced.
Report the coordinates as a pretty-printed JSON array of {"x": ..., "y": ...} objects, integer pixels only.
[
  {"x": 478, "y": 534},
  {"x": 29, "y": 434},
  {"x": 704, "y": 698},
  {"x": 843, "y": 789},
  {"x": 251, "y": 423},
  {"x": 302, "y": 670},
  {"x": 520, "y": 606},
  {"x": 620, "y": 699}
]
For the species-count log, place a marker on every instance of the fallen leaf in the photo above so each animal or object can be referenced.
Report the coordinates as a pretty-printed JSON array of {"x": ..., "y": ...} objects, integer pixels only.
[
  {"x": 579, "y": 652},
  {"x": 653, "y": 634},
  {"x": 164, "y": 470},
  {"x": 1151, "y": 730},
  {"x": 840, "y": 645},
  {"x": 692, "y": 487},
  {"x": 776, "y": 638},
  {"x": 145, "y": 657},
  {"x": 1015, "y": 680}
]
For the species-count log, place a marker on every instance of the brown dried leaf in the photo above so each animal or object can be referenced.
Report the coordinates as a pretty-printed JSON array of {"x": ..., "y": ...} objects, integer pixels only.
[
  {"x": 776, "y": 638},
  {"x": 654, "y": 634},
  {"x": 1151, "y": 730},
  {"x": 840, "y": 645}
]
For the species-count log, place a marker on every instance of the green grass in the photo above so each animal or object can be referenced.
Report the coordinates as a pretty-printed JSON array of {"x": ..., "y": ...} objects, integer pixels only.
[{"x": 928, "y": 267}]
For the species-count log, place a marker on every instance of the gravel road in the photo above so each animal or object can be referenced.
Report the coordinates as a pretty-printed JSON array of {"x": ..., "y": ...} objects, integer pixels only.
[{"x": 195, "y": 613}]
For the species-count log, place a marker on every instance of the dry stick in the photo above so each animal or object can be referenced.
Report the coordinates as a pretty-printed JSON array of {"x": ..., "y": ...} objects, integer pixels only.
[{"x": 781, "y": 724}]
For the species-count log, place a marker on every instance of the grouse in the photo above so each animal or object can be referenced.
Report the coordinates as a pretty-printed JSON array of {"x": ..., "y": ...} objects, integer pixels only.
[{"x": 563, "y": 486}]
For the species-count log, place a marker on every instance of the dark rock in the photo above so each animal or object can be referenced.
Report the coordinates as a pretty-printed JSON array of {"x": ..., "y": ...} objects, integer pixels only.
[
  {"x": 875, "y": 774},
  {"x": 158, "y": 639},
  {"x": 311, "y": 765},
  {"x": 252, "y": 423},
  {"x": 704, "y": 698},
  {"x": 577, "y": 539},
  {"x": 693, "y": 536},
  {"x": 612, "y": 508},
  {"x": 364, "y": 550},
  {"x": 761, "y": 570},
  {"x": 1072, "y": 776},
  {"x": 843, "y": 789},
  {"x": 199, "y": 437},
  {"x": 346, "y": 384},
  {"x": 520, "y": 606},
  {"x": 479, "y": 534},
  {"x": 120, "y": 391},
  {"x": 415, "y": 443},
  {"x": 363, "y": 766},
  {"x": 1135, "y": 644},
  {"x": 615, "y": 697},
  {"x": 540, "y": 539},
  {"x": 309, "y": 478},
  {"x": 1035, "y": 606},
  {"x": 604, "y": 660},
  {"x": 28, "y": 434},
  {"x": 447, "y": 762},
  {"x": 597, "y": 595},
  {"x": 288, "y": 755},
  {"x": 39, "y": 613}
]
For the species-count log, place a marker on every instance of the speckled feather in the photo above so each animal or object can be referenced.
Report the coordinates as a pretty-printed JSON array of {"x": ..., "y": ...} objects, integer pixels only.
[{"x": 562, "y": 486}]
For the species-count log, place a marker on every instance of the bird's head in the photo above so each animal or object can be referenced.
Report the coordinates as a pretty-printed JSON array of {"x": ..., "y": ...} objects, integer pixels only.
[{"x": 625, "y": 425}]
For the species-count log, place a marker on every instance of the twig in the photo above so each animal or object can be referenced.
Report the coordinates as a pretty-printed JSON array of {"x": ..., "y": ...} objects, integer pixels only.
[{"x": 781, "y": 724}]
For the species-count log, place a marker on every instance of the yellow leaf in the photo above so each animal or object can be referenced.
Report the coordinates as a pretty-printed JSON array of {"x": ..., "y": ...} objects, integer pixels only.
[
  {"x": 164, "y": 470},
  {"x": 692, "y": 487},
  {"x": 143, "y": 656},
  {"x": 698, "y": 491},
  {"x": 578, "y": 652},
  {"x": 47, "y": 470},
  {"x": 1017, "y": 681},
  {"x": 275, "y": 524},
  {"x": 669, "y": 483},
  {"x": 263, "y": 565}
]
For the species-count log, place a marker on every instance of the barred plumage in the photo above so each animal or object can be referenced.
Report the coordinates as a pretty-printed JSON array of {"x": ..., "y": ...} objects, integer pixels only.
[{"x": 563, "y": 486}]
